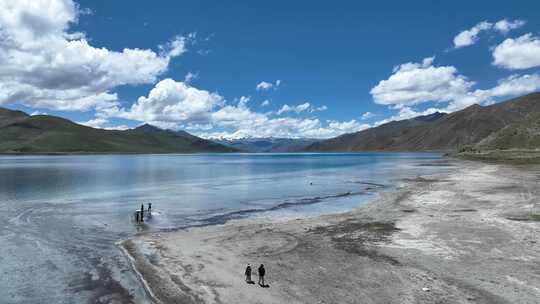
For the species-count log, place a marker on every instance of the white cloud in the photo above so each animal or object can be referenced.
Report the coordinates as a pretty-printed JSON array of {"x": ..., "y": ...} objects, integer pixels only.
[
  {"x": 367, "y": 115},
  {"x": 304, "y": 107},
  {"x": 102, "y": 123},
  {"x": 414, "y": 83},
  {"x": 97, "y": 122},
  {"x": 504, "y": 26},
  {"x": 265, "y": 86},
  {"x": 117, "y": 128},
  {"x": 513, "y": 85},
  {"x": 470, "y": 36},
  {"x": 408, "y": 113},
  {"x": 177, "y": 105},
  {"x": 289, "y": 127},
  {"x": 351, "y": 126},
  {"x": 318, "y": 109},
  {"x": 170, "y": 102},
  {"x": 34, "y": 113},
  {"x": 520, "y": 53},
  {"x": 265, "y": 103},
  {"x": 46, "y": 65},
  {"x": 175, "y": 47},
  {"x": 296, "y": 109}
]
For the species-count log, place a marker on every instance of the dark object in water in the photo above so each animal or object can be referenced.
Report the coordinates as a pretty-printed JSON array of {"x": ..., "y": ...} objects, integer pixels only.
[{"x": 142, "y": 212}]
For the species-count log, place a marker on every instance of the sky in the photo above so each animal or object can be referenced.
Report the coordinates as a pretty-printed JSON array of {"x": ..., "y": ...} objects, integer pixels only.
[{"x": 235, "y": 69}]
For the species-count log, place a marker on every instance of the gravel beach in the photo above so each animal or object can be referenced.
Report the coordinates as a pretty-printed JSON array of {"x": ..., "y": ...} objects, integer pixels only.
[{"x": 468, "y": 236}]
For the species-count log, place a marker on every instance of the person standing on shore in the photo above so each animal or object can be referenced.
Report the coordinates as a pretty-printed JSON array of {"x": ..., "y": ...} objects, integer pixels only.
[
  {"x": 142, "y": 212},
  {"x": 262, "y": 272},
  {"x": 248, "y": 274}
]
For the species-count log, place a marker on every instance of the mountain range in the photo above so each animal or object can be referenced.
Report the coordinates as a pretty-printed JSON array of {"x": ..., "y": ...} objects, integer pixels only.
[
  {"x": 506, "y": 125},
  {"x": 268, "y": 145},
  {"x": 513, "y": 124},
  {"x": 22, "y": 133}
]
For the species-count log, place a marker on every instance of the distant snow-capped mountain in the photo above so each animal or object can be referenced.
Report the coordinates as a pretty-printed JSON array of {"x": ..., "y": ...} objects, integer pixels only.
[{"x": 267, "y": 144}]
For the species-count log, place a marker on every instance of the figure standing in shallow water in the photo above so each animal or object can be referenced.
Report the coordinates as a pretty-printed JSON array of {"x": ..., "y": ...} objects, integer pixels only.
[
  {"x": 262, "y": 272},
  {"x": 248, "y": 274},
  {"x": 142, "y": 212}
]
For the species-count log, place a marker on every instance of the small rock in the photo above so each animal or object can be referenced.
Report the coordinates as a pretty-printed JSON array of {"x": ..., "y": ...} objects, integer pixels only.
[{"x": 426, "y": 289}]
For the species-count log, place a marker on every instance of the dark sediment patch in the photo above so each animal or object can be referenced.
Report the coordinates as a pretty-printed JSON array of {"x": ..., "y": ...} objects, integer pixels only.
[
  {"x": 441, "y": 164},
  {"x": 356, "y": 237},
  {"x": 226, "y": 217},
  {"x": 370, "y": 184},
  {"x": 525, "y": 218},
  {"x": 420, "y": 179},
  {"x": 104, "y": 288},
  {"x": 465, "y": 210},
  {"x": 408, "y": 210}
]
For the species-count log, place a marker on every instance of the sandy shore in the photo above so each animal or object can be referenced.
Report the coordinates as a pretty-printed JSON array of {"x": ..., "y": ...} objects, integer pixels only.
[{"x": 470, "y": 236}]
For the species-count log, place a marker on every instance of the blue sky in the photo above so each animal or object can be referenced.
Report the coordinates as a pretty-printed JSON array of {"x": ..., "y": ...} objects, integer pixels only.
[{"x": 322, "y": 65}]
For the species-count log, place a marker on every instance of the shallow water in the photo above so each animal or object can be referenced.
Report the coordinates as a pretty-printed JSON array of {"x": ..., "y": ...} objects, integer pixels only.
[{"x": 60, "y": 216}]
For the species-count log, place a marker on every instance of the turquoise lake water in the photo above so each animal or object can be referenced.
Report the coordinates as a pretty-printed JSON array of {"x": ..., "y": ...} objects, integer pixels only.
[{"x": 60, "y": 216}]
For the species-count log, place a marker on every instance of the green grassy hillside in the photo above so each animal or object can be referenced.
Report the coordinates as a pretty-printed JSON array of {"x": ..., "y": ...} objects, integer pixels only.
[{"x": 20, "y": 133}]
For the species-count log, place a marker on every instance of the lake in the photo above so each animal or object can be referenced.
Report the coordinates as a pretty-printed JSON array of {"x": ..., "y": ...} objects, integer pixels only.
[{"x": 62, "y": 215}]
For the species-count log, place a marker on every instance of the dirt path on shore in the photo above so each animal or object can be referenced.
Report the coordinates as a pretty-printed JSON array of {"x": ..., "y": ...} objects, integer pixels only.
[{"x": 471, "y": 236}]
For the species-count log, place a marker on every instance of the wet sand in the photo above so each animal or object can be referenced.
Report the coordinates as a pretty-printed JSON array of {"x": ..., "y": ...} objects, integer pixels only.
[{"x": 469, "y": 236}]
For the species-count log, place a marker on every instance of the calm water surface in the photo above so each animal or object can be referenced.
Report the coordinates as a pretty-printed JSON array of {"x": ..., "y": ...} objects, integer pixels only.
[{"x": 60, "y": 216}]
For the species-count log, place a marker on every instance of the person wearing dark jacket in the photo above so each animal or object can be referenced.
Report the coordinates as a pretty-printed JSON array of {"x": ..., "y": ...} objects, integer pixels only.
[
  {"x": 262, "y": 272},
  {"x": 248, "y": 274}
]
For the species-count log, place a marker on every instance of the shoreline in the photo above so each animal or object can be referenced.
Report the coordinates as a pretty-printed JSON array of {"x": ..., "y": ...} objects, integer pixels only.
[{"x": 417, "y": 244}]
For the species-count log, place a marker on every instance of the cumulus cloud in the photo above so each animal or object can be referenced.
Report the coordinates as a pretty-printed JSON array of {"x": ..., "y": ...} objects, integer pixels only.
[
  {"x": 513, "y": 85},
  {"x": 175, "y": 47},
  {"x": 177, "y": 105},
  {"x": 296, "y": 109},
  {"x": 102, "y": 123},
  {"x": 470, "y": 36},
  {"x": 265, "y": 86},
  {"x": 408, "y": 113},
  {"x": 504, "y": 26},
  {"x": 97, "y": 122},
  {"x": 290, "y": 128},
  {"x": 46, "y": 65},
  {"x": 170, "y": 102},
  {"x": 520, "y": 53},
  {"x": 265, "y": 103},
  {"x": 304, "y": 107},
  {"x": 414, "y": 83}
]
